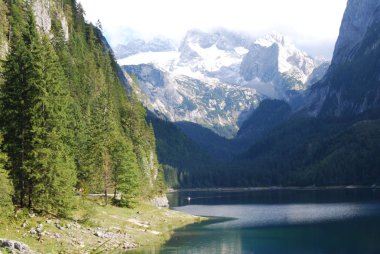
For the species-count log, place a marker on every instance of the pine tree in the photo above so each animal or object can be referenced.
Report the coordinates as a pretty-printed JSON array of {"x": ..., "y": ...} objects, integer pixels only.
[
  {"x": 15, "y": 102},
  {"x": 102, "y": 126},
  {"x": 125, "y": 171},
  {"x": 35, "y": 106},
  {"x": 53, "y": 167}
]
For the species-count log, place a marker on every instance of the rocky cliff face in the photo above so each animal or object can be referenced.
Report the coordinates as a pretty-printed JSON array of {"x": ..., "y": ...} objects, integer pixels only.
[
  {"x": 275, "y": 67},
  {"x": 210, "y": 103},
  {"x": 44, "y": 10},
  {"x": 352, "y": 83},
  {"x": 359, "y": 17}
]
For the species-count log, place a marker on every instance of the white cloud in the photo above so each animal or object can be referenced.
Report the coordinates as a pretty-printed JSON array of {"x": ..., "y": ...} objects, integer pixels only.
[{"x": 308, "y": 22}]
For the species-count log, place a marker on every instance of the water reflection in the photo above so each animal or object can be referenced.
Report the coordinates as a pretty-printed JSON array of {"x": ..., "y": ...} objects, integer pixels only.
[
  {"x": 207, "y": 243},
  {"x": 272, "y": 196},
  {"x": 199, "y": 238},
  {"x": 274, "y": 221},
  {"x": 275, "y": 215}
]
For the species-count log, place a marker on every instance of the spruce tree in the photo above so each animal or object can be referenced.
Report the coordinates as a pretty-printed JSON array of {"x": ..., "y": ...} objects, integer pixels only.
[
  {"x": 102, "y": 125},
  {"x": 125, "y": 171},
  {"x": 15, "y": 102},
  {"x": 35, "y": 106},
  {"x": 52, "y": 162}
]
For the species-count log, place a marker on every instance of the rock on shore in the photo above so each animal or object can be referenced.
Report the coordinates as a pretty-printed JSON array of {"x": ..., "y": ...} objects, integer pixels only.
[
  {"x": 161, "y": 201},
  {"x": 15, "y": 247}
]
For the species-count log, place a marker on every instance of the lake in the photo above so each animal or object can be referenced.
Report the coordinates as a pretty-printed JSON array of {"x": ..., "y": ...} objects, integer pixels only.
[{"x": 277, "y": 221}]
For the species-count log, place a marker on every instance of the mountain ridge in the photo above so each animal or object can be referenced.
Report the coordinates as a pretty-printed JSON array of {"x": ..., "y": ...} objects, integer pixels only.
[{"x": 219, "y": 75}]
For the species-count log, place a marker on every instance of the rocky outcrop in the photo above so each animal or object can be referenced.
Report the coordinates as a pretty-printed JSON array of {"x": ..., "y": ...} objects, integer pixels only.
[
  {"x": 4, "y": 26},
  {"x": 44, "y": 10},
  {"x": 147, "y": 73},
  {"x": 15, "y": 246},
  {"x": 3, "y": 50},
  {"x": 318, "y": 73},
  {"x": 261, "y": 62},
  {"x": 161, "y": 201}
]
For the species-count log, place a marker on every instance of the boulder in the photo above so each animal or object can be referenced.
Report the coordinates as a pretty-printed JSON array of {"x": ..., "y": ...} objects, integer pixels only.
[
  {"x": 161, "y": 201},
  {"x": 15, "y": 246}
]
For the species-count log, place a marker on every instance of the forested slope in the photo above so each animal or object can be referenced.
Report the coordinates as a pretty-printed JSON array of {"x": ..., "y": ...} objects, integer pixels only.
[{"x": 67, "y": 122}]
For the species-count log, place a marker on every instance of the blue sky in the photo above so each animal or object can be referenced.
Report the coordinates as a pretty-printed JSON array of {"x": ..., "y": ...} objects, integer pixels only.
[{"x": 311, "y": 24}]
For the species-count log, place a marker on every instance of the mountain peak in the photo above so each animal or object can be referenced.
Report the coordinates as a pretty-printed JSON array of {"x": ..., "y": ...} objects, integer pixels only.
[
  {"x": 351, "y": 85},
  {"x": 273, "y": 37}
]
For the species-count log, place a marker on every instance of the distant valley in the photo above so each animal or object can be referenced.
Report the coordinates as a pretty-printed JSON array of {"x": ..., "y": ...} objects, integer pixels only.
[{"x": 231, "y": 110}]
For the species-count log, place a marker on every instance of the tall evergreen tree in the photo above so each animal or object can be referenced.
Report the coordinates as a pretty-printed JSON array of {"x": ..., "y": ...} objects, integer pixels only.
[
  {"x": 102, "y": 126},
  {"x": 52, "y": 162},
  {"x": 35, "y": 104},
  {"x": 125, "y": 171},
  {"x": 15, "y": 102}
]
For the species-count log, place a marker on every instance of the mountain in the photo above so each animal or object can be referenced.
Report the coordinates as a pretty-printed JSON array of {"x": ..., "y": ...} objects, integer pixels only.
[
  {"x": 267, "y": 116},
  {"x": 216, "y": 79},
  {"x": 330, "y": 136},
  {"x": 276, "y": 68},
  {"x": 352, "y": 83},
  {"x": 217, "y": 147},
  {"x": 182, "y": 98},
  {"x": 336, "y": 142},
  {"x": 318, "y": 73},
  {"x": 180, "y": 156}
]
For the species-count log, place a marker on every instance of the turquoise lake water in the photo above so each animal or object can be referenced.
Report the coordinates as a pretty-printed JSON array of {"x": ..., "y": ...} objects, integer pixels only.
[{"x": 340, "y": 221}]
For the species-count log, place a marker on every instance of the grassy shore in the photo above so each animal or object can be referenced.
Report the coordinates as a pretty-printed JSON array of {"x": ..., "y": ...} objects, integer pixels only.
[{"x": 97, "y": 229}]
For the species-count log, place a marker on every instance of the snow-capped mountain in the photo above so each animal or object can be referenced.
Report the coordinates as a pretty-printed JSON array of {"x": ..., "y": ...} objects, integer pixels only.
[
  {"x": 216, "y": 79},
  {"x": 277, "y": 69}
]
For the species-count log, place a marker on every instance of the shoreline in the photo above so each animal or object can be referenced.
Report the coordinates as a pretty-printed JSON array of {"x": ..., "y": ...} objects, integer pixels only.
[{"x": 341, "y": 187}]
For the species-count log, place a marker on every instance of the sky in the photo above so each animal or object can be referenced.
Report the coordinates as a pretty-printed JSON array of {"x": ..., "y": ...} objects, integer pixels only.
[{"x": 312, "y": 25}]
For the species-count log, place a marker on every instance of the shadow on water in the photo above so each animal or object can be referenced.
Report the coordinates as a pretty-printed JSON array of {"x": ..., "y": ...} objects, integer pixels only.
[{"x": 272, "y": 196}]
